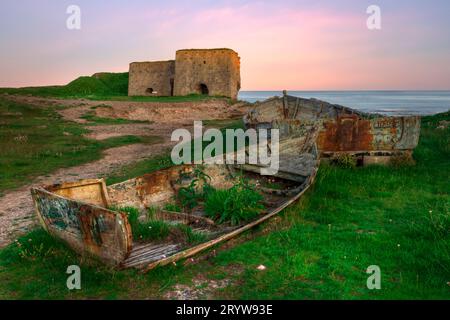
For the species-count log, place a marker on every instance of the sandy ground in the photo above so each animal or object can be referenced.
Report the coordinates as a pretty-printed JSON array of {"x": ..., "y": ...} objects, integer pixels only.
[{"x": 16, "y": 207}]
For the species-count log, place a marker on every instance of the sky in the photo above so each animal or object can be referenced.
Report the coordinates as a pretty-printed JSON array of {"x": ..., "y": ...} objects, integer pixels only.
[{"x": 293, "y": 45}]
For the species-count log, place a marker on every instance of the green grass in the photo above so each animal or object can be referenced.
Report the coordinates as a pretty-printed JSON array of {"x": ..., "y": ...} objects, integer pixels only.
[
  {"x": 236, "y": 205},
  {"x": 149, "y": 229},
  {"x": 104, "y": 86},
  {"x": 173, "y": 99},
  {"x": 173, "y": 207},
  {"x": 99, "y": 121},
  {"x": 35, "y": 141},
  {"x": 108, "y": 84},
  {"x": 318, "y": 248}
]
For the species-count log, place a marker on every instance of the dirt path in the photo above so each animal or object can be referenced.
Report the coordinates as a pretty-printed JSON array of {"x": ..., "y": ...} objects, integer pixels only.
[{"x": 16, "y": 207}]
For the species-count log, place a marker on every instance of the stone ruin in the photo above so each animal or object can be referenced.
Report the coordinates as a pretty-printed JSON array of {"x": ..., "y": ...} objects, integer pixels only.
[{"x": 214, "y": 72}]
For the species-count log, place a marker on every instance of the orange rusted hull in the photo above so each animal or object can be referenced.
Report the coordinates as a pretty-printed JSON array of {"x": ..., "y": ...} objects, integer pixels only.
[{"x": 336, "y": 128}]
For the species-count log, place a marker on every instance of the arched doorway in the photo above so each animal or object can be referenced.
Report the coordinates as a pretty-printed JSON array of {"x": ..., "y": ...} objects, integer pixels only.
[
  {"x": 203, "y": 89},
  {"x": 149, "y": 90}
]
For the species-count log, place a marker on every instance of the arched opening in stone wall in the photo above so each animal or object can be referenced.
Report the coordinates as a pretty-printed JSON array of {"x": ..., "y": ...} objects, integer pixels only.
[
  {"x": 172, "y": 82},
  {"x": 149, "y": 90},
  {"x": 203, "y": 89}
]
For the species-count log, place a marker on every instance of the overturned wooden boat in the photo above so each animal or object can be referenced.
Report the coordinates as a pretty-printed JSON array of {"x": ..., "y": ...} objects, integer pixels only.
[
  {"x": 372, "y": 138},
  {"x": 80, "y": 212}
]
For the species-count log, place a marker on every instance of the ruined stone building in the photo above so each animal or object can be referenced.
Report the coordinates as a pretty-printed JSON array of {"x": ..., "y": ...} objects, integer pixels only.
[{"x": 214, "y": 72}]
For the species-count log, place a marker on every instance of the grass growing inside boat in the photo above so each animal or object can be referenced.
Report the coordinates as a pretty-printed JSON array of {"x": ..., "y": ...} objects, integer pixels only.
[
  {"x": 173, "y": 207},
  {"x": 269, "y": 184},
  {"x": 158, "y": 230},
  {"x": 319, "y": 248},
  {"x": 236, "y": 205}
]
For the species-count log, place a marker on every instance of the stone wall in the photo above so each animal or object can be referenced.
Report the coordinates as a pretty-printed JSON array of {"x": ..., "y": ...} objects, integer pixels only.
[
  {"x": 151, "y": 78},
  {"x": 207, "y": 71}
]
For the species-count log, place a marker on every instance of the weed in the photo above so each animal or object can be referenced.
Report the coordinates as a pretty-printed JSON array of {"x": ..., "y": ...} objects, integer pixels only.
[
  {"x": 172, "y": 207},
  {"x": 238, "y": 204},
  {"x": 188, "y": 235},
  {"x": 190, "y": 196},
  {"x": 344, "y": 160}
]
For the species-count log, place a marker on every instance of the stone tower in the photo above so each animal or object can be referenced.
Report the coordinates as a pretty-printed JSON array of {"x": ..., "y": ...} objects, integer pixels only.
[
  {"x": 207, "y": 71},
  {"x": 214, "y": 72},
  {"x": 154, "y": 78}
]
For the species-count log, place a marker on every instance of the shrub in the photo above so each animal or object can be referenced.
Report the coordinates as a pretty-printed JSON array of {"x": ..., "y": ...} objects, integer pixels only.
[
  {"x": 190, "y": 196},
  {"x": 172, "y": 207},
  {"x": 237, "y": 204}
]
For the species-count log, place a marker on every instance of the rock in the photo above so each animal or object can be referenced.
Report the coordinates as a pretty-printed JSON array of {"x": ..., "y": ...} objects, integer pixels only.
[{"x": 261, "y": 267}]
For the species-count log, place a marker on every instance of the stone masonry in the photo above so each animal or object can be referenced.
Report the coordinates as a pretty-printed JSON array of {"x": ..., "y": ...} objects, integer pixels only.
[{"x": 214, "y": 72}]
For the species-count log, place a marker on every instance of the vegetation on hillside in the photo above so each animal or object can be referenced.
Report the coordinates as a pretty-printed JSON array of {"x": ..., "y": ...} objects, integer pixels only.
[
  {"x": 105, "y": 84},
  {"x": 101, "y": 86},
  {"x": 35, "y": 141}
]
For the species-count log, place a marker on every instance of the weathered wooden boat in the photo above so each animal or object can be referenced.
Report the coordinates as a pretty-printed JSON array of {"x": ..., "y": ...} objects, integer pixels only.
[
  {"x": 80, "y": 212},
  {"x": 372, "y": 138}
]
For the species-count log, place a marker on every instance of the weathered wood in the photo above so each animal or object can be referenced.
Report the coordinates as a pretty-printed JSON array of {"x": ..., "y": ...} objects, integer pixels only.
[
  {"x": 185, "y": 217},
  {"x": 87, "y": 228},
  {"x": 192, "y": 251},
  {"x": 340, "y": 129},
  {"x": 151, "y": 256},
  {"x": 92, "y": 191}
]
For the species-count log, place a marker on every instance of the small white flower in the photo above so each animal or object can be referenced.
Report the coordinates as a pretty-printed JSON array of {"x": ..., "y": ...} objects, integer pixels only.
[
  {"x": 261, "y": 267},
  {"x": 398, "y": 245}
]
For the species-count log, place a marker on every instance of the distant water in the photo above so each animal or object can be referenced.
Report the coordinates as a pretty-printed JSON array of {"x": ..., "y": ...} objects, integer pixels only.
[{"x": 383, "y": 102}]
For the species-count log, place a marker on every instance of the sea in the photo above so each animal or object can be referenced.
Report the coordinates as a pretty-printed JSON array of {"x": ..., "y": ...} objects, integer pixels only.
[{"x": 394, "y": 103}]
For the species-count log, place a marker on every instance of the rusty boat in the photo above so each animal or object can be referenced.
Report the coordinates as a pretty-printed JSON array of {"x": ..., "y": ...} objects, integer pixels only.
[
  {"x": 82, "y": 213},
  {"x": 370, "y": 138}
]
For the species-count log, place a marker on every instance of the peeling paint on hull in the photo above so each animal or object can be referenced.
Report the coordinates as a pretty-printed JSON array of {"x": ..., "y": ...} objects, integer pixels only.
[
  {"x": 337, "y": 128},
  {"x": 76, "y": 212}
]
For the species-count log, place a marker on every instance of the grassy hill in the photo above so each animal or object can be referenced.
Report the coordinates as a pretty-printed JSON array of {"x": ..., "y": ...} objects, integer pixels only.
[
  {"x": 100, "y": 86},
  {"x": 103, "y": 84}
]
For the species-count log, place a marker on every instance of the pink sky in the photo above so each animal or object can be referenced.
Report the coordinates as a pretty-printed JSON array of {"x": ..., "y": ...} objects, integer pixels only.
[{"x": 290, "y": 46}]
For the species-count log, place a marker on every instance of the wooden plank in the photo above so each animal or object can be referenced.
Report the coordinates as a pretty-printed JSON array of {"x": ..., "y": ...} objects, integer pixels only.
[
  {"x": 188, "y": 218},
  {"x": 92, "y": 191},
  {"x": 150, "y": 257},
  {"x": 161, "y": 250},
  {"x": 86, "y": 228}
]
